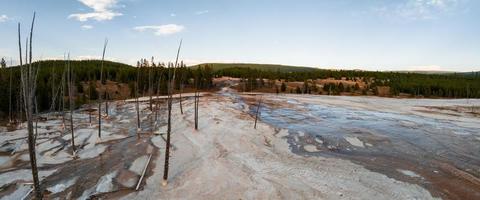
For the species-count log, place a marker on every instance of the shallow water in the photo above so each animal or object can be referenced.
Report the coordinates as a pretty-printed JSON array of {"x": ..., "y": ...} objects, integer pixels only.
[{"x": 446, "y": 155}]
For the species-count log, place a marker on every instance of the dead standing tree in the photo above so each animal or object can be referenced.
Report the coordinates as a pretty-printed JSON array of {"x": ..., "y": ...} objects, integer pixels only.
[
  {"x": 158, "y": 94},
  {"x": 150, "y": 88},
  {"x": 70, "y": 101},
  {"x": 100, "y": 94},
  {"x": 10, "y": 115},
  {"x": 171, "y": 80},
  {"x": 28, "y": 82},
  {"x": 258, "y": 112},
  {"x": 182, "y": 74},
  {"x": 137, "y": 106},
  {"x": 63, "y": 97},
  {"x": 196, "y": 98}
]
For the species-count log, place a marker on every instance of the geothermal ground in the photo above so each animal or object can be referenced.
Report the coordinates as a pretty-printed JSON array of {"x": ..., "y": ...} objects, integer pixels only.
[{"x": 304, "y": 147}]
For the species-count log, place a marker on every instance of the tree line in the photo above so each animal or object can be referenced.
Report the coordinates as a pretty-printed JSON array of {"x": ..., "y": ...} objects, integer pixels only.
[
  {"x": 85, "y": 76},
  {"x": 455, "y": 85}
]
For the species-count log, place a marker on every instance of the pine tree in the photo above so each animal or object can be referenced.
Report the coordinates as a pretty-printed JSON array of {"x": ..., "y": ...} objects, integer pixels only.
[{"x": 3, "y": 64}]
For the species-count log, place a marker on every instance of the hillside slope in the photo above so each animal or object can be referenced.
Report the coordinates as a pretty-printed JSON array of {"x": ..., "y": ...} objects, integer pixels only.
[{"x": 263, "y": 67}]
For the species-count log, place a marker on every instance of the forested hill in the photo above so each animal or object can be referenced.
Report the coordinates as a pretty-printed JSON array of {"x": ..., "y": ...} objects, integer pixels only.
[
  {"x": 86, "y": 85},
  {"x": 152, "y": 77},
  {"x": 263, "y": 67},
  {"x": 290, "y": 68},
  {"x": 453, "y": 85}
]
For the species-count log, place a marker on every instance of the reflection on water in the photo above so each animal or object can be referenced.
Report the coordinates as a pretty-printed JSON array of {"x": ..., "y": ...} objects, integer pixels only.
[{"x": 444, "y": 154}]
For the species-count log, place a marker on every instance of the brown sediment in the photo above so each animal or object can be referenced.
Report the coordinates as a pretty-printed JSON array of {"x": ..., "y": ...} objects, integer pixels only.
[
  {"x": 438, "y": 174},
  {"x": 8, "y": 189},
  {"x": 117, "y": 156},
  {"x": 440, "y": 178},
  {"x": 452, "y": 110},
  {"x": 16, "y": 164},
  {"x": 123, "y": 191}
]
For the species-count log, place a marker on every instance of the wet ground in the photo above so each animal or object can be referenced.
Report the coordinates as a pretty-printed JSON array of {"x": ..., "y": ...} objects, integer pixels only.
[
  {"x": 100, "y": 167},
  {"x": 434, "y": 144},
  {"x": 438, "y": 151}
]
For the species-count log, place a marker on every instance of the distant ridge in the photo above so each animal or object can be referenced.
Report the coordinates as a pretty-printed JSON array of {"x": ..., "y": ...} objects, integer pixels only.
[
  {"x": 292, "y": 68},
  {"x": 265, "y": 67}
]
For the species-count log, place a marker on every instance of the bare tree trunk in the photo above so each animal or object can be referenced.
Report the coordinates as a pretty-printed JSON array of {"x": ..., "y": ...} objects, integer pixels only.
[
  {"x": 28, "y": 78},
  {"x": 150, "y": 87},
  {"x": 100, "y": 96},
  {"x": 197, "y": 100},
  {"x": 19, "y": 113},
  {"x": 181, "y": 88},
  {"x": 52, "y": 79},
  {"x": 107, "y": 97},
  {"x": 70, "y": 101},
  {"x": 63, "y": 98},
  {"x": 36, "y": 120},
  {"x": 157, "y": 101},
  {"x": 169, "y": 125},
  {"x": 258, "y": 111},
  {"x": 89, "y": 98},
  {"x": 10, "y": 116},
  {"x": 137, "y": 106},
  {"x": 150, "y": 91},
  {"x": 180, "y": 100}
]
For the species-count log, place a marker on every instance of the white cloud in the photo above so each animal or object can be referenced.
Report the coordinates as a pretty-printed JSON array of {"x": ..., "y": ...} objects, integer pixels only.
[
  {"x": 102, "y": 10},
  {"x": 201, "y": 12},
  {"x": 167, "y": 29},
  {"x": 173, "y": 15},
  {"x": 418, "y": 9},
  {"x": 86, "y": 27},
  {"x": 4, "y": 18}
]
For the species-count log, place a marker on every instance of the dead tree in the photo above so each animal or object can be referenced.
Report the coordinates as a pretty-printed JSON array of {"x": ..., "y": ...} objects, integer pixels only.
[
  {"x": 19, "y": 113},
  {"x": 258, "y": 111},
  {"x": 70, "y": 101},
  {"x": 150, "y": 92},
  {"x": 196, "y": 101},
  {"x": 182, "y": 74},
  {"x": 28, "y": 82},
  {"x": 10, "y": 115},
  {"x": 100, "y": 95},
  {"x": 196, "y": 98},
  {"x": 137, "y": 106},
  {"x": 53, "y": 94},
  {"x": 63, "y": 97},
  {"x": 158, "y": 94},
  {"x": 169, "y": 121},
  {"x": 107, "y": 96},
  {"x": 89, "y": 98},
  {"x": 150, "y": 86},
  {"x": 36, "y": 120}
]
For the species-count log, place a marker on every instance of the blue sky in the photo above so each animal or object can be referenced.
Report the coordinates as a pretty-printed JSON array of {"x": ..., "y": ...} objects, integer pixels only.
[{"x": 340, "y": 34}]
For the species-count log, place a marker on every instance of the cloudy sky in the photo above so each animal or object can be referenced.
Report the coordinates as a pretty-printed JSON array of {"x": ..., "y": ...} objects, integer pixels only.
[{"x": 347, "y": 34}]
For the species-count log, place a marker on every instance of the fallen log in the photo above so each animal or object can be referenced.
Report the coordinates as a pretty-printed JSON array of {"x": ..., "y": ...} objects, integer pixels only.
[
  {"x": 28, "y": 193},
  {"x": 143, "y": 173}
]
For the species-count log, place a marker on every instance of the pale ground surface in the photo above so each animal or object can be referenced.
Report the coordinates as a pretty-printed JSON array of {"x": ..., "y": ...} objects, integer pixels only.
[
  {"x": 225, "y": 159},
  {"x": 429, "y": 142},
  {"x": 228, "y": 159}
]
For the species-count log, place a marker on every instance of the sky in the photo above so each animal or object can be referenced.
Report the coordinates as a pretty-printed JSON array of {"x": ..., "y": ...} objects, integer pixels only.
[{"x": 335, "y": 34}]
